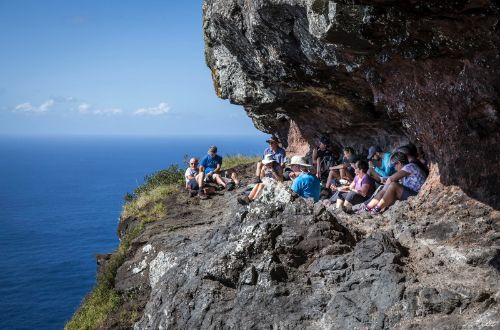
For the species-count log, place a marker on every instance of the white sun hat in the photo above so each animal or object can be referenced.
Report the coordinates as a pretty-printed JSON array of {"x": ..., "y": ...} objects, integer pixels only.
[
  {"x": 299, "y": 160},
  {"x": 268, "y": 159}
]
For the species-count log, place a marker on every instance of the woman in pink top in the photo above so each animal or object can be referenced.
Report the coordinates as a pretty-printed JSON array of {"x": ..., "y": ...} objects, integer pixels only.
[{"x": 361, "y": 188}]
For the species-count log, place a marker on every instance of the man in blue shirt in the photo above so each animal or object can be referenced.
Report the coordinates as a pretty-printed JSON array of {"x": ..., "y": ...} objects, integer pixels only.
[
  {"x": 210, "y": 167},
  {"x": 305, "y": 184},
  {"x": 276, "y": 151},
  {"x": 380, "y": 167}
]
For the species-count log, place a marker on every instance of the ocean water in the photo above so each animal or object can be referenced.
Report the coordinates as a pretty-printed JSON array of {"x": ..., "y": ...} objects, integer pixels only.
[{"x": 60, "y": 199}]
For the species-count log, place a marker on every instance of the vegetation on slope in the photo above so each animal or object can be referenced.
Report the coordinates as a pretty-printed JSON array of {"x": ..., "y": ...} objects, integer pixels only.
[{"x": 146, "y": 204}]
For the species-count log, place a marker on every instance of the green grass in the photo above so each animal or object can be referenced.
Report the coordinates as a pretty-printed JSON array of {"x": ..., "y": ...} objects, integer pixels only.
[
  {"x": 146, "y": 204},
  {"x": 235, "y": 160}
]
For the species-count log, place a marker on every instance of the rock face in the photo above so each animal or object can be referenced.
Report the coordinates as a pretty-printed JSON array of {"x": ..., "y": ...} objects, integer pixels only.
[
  {"x": 291, "y": 264},
  {"x": 366, "y": 72}
]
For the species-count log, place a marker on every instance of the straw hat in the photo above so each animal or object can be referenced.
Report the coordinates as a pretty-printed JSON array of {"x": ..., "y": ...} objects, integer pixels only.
[
  {"x": 268, "y": 159},
  {"x": 299, "y": 160}
]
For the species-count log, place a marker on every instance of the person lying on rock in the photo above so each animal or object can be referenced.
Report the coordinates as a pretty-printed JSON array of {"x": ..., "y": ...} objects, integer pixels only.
[
  {"x": 411, "y": 177},
  {"x": 270, "y": 170},
  {"x": 276, "y": 151},
  {"x": 305, "y": 183},
  {"x": 344, "y": 171},
  {"x": 324, "y": 157},
  {"x": 361, "y": 188},
  {"x": 379, "y": 163},
  {"x": 210, "y": 167}
]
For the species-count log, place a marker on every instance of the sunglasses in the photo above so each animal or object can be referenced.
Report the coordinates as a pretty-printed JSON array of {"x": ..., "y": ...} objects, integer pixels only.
[{"x": 193, "y": 163}]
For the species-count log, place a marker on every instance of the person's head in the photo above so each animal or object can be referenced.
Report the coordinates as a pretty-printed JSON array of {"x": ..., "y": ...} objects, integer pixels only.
[
  {"x": 375, "y": 153},
  {"x": 324, "y": 143},
  {"x": 299, "y": 164},
  {"x": 411, "y": 153},
  {"x": 273, "y": 143},
  {"x": 269, "y": 161},
  {"x": 193, "y": 162},
  {"x": 212, "y": 151},
  {"x": 361, "y": 167},
  {"x": 348, "y": 152},
  {"x": 398, "y": 160}
]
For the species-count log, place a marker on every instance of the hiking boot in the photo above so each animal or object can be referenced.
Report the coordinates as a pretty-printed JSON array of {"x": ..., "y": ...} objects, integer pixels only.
[
  {"x": 193, "y": 193},
  {"x": 244, "y": 200},
  {"x": 364, "y": 209},
  {"x": 375, "y": 211},
  {"x": 230, "y": 186},
  {"x": 202, "y": 195}
]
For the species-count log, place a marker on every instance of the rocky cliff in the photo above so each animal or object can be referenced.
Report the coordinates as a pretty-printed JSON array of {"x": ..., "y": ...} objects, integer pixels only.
[
  {"x": 284, "y": 263},
  {"x": 366, "y": 72}
]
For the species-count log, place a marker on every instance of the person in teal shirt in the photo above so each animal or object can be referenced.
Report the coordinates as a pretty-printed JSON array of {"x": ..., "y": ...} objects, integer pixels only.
[
  {"x": 380, "y": 167},
  {"x": 305, "y": 184}
]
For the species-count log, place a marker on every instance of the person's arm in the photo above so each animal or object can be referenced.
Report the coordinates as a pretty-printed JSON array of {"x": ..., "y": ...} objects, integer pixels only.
[
  {"x": 187, "y": 175},
  {"x": 315, "y": 154},
  {"x": 397, "y": 176},
  {"x": 365, "y": 188},
  {"x": 318, "y": 167},
  {"x": 262, "y": 172}
]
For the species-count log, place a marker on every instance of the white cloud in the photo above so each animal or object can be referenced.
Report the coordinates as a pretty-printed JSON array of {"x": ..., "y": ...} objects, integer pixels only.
[
  {"x": 28, "y": 107},
  {"x": 24, "y": 107},
  {"x": 159, "y": 110},
  {"x": 84, "y": 108},
  {"x": 107, "y": 112},
  {"x": 46, "y": 105}
]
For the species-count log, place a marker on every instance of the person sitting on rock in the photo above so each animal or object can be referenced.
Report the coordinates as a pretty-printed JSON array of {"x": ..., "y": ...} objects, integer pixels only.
[
  {"x": 271, "y": 170},
  {"x": 379, "y": 163},
  {"x": 344, "y": 171},
  {"x": 276, "y": 151},
  {"x": 323, "y": 158},
  {"x": 210, "y": 167},
  {"x": 305, "y": 183},
  {"x": 411, "y": 177},
  {"x": 411, "y": 152},
  {"x": 361, "y": 188},
  {"x": 192, "y": 175}
]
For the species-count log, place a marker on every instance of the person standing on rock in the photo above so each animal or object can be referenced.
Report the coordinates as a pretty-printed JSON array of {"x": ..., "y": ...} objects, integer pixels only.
[
  {"x": 305, "y": 184},
  {"x": 276, "y": 152}
]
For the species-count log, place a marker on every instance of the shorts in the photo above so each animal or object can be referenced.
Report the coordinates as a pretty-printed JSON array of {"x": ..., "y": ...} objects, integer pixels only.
[
  {"x": 407, "y": 193},
  {"x": 192, "y": 185},
  {"x": 351, "y": 197}
]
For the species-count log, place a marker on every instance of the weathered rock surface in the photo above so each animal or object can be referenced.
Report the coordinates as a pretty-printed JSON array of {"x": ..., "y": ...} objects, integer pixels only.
[
  {"x": 365, "y": 72},
  {"x": 284, "y": 263}
]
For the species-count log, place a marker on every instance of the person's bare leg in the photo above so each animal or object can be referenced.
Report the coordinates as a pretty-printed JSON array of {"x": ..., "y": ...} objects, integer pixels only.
[
  {"x": 340, "y": 203},
  {"x": 376, "y": 199},
  {"x": 331, "y": 175},
  {"x": 392, "y": 194},
  {"x": 218, "y": 180},
  {"x": 347, "y": 205},
  {"x": 235, "y": 178},
  {"x": 255, "y": 191},
  {"x": 259, "y": 168},
  {"x": 199, "y": 179}
]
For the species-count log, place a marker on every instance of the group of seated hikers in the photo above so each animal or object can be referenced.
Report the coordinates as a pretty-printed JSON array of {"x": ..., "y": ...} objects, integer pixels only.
[{"x": 341, "y": 181}]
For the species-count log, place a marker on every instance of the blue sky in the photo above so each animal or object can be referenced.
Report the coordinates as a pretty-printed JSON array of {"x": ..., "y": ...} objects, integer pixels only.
[{"x": 108, "y": 67}]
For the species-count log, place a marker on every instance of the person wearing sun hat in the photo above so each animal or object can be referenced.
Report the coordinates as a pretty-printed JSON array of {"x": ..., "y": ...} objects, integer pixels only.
[
  {"x": 276, "y": 151},
  {"x": 305, "y": 184},
  {"x": 270, "y": 170}
]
